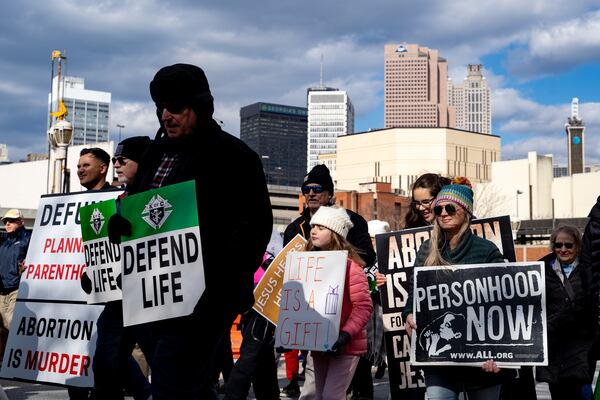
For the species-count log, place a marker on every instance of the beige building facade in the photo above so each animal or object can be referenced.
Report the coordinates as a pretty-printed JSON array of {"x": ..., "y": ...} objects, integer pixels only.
[
  {"x": 400, "y": 155},
  {"x": 415, "y": 89}
]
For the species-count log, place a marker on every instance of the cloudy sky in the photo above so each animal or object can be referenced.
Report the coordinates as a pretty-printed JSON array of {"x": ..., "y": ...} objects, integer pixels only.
[{"x": 538, "y": 54}]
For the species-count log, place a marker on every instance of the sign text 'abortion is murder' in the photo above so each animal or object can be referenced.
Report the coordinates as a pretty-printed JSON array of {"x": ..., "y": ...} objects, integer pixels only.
[
  {"x": 163, "y": 272},
  {"x": 468, "y": 314}
]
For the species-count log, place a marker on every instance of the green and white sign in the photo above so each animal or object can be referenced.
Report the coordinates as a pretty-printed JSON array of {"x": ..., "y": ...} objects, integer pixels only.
[
  {"x": 102, "y": 258},
  {"x": 163, "y": 272}
]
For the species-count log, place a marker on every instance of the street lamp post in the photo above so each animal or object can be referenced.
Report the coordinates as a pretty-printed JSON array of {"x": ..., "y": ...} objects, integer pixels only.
[
  {"x": 517, "y": 201},
  {"x": 266, "y": 167},
  {"x": 120, "y": 126}
]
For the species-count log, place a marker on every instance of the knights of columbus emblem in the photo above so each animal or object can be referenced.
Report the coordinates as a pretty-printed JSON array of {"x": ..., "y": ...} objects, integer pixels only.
[
  {"x": 97, "y": 221},
  {"x": 157, "y": 211}
]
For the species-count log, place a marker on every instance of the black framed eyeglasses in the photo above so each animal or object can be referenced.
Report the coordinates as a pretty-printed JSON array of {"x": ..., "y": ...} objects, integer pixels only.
[
  {"x": 122, "y": 160},
  {"x": 314, "y": 188},
  {"x": 559, "y": 245},
  {"x": 423, "y": 203},
  {"x": 450, "y": 209}
]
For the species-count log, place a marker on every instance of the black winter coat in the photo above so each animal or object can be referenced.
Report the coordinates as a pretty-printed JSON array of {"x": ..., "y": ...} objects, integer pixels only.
[
  {"x": 234, "y": 210},
  {"x": 571, "y": 325},
  {"x": 358, "y": 235}
]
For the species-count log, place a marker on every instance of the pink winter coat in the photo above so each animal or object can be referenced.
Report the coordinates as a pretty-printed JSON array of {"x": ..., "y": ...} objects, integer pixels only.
[{"x": 356, "y": 309}]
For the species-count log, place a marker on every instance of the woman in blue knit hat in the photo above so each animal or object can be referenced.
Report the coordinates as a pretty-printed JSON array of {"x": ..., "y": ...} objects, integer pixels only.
[{"x": 453, "y": 243}]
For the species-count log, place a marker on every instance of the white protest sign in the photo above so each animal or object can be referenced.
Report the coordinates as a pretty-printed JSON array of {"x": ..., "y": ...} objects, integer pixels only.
[
  {"x": 311, "y": 300},
  {"x": 52, "y": 343},
  {"x": 161, "y": 262},
  {"x": 55, "y": 259},
  {"x": 102, "y": 258}
]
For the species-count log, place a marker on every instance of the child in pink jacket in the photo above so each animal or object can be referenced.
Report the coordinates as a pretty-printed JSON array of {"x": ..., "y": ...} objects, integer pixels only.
[{"x": 334, "y": 369}]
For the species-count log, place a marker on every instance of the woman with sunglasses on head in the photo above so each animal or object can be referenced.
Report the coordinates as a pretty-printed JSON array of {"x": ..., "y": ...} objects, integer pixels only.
[
  {"x": 453, "y": 243},
  {"x": 424, "y": 191},
  {"x": 571, "y": 317}
]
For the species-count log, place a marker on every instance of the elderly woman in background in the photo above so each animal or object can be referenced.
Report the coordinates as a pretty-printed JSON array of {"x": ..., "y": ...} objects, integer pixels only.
[{"x": 571, "y": 315}]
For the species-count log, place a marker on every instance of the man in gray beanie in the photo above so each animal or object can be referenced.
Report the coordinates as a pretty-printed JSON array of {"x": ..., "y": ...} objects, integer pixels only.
[{"x": 191, "y": 145}]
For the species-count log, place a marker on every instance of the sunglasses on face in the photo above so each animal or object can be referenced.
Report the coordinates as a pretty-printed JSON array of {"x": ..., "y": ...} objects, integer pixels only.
[
  {"x": 450, "y": 209},
  {"x": 173, "y": 108},
  {"x": 423, "y": 203},
  {"x": 122, "y": 160},
  {"x": 314, "y": 188},
  {"x": 559, "y": 245},
  {"x": 9, "y": 221}
]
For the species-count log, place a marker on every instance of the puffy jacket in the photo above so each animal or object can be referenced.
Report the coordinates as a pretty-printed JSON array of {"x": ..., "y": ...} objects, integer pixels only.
[
  {"x": 13, "y": 250},
  {"x": 356, "y": 309}
]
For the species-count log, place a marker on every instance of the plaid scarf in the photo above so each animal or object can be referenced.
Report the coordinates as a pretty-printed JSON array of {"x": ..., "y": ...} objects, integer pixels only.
[{"x": 167, "y": 163}]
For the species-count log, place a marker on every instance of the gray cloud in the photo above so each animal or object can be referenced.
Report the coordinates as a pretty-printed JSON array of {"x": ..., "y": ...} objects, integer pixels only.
[{"x": 266, "y": 51}]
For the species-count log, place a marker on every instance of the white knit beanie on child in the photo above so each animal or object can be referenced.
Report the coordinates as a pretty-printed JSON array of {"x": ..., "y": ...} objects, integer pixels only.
[{"x": 334, "y": 218}]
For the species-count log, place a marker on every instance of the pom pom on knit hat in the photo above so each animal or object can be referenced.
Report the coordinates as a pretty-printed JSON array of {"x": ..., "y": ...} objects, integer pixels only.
[
  {"x": 459, "y": 194},
  {"x": 333, "y": 218}
]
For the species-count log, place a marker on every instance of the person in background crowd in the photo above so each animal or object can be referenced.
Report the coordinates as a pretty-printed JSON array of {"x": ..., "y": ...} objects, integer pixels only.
[
  {"x": 318, "y": 191},
  {"x": 113, "y": 365},
  {"x": 256, "y": 365},
  {"x": 333, "y": 370},
  {"x": 453, "y": 243},
  {"x": 424, "y": 191},
  {"x": 92, "y": 168},
  {"x": 13, "y": 249},
  {"x": 571, "y": 310},
  {"x": 590, "y": 255},
  {"x": 190, "y": 145},
  {"x": 362, "y": 382}
]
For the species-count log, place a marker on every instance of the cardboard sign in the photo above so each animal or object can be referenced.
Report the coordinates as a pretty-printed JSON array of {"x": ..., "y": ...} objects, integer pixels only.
[
  {"x": 52, "y": 343},
  {"x": 161, "y": 262},
  {"x": 311, "y": 300},
  {"x": 267, "y": 294},
  {"x": 102, "y": 258},
  {"x": 55, "y": 258},
  {"x": 396, "y": 254},
  {"x": 467, "y": 314}
]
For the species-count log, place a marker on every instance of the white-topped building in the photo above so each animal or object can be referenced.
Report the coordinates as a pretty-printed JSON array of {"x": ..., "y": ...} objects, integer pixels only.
[
  {"x": 88, "y": 110},
  {"x": 330, "y": 114}
]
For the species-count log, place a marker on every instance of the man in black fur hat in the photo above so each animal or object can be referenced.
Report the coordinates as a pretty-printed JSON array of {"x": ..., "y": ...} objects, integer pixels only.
[{"x": 191, "y": 145}]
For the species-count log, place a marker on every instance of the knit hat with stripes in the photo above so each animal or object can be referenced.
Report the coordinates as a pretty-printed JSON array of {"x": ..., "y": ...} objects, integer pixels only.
[{"x": 461, "y": 195}]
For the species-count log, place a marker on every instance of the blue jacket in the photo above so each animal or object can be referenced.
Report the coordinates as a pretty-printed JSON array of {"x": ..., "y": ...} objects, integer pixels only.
[{"x": 13, "y": 250}]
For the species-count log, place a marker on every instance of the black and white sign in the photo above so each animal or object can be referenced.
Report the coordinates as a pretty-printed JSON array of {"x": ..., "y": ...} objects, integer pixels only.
[{"x": 467, "y": 314}]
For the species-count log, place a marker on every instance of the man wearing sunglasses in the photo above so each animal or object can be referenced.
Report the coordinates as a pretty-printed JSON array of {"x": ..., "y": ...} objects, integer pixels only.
[
  {"x": 318, "y": 191},
  {"x": 127, "y": 157},
  {"x": 190, "y": 144},
  {"x": 13, "y": 249}
]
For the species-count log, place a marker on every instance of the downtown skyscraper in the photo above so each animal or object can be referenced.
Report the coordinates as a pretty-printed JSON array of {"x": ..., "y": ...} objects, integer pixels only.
[
  {"x": 472, "y": 101},
  {"x": 330, "y": 114},
  {"x": 415, "y": 88},
  {"x": 277, "y": 133}
]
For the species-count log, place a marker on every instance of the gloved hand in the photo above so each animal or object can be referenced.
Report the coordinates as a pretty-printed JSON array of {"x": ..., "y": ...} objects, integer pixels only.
[
  {"x": 86, "y": 283},
  {"x": 118, "y": 226},
  {"x": 281, "y": 349},
  {"x": 340, "y": 344}
]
